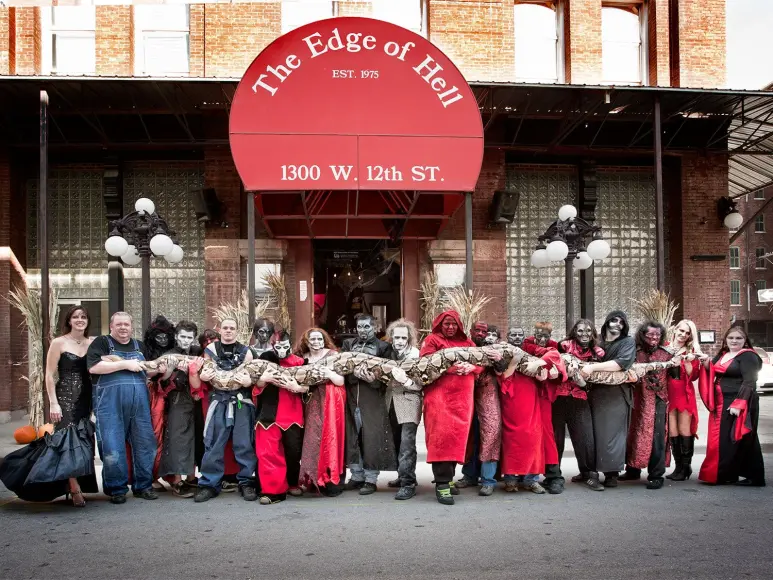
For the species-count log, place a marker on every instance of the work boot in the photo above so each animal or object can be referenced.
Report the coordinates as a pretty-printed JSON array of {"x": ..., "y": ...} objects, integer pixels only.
[
  {"x": 610, "y": 480},
  {"x": 249, "y": 493},
  {"x": 486, "y": 490},
  {"x": 687, "y": 447},
  {"x": 406, "y": 492},
  {"x": 118, "y": 499},
  {"x": 676, "y": 451},
  {"x": 655, "y": 483},
  {"x": 394, "y": 483},
  {"x": 351, "y": 485},
  {"x": 465, "y": 482},
  {"x": 443, "y": 494},
  {"x": 368, "y": 488},
  {"x": 146, "y": 494},
  {"x": 555, "y": 486},
  {"x": 204, "y": 493}
]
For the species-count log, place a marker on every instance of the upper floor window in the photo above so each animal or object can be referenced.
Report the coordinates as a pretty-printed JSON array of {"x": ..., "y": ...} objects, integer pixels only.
[
  {"x": 405, "y": 13},
  {"x": 623, "y": 43},
  {"x": 759, "y": 254},
  {"x": 759, "y": 194},
  {"x": 759, "y": 224},
  {"x": 68, "y": 43},
  {"x": 735, "y": 292},
  {"x": 297, "y": 13},
  {"x": 161, "y": 39},
  {"x": 735, "y": 257},
  {"x": 538, "y": 54}
]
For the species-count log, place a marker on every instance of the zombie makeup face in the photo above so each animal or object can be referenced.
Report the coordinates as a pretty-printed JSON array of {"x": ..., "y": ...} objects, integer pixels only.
[
  {"x": 542, "y": 336},
  {"x": 491, "y": 337},
  {"x": 162, "y": 339},
  {"x": 282, "y": 348},
  {"x": 400, "y": 339},
  {"x": 449, "y": 327},
  {"x": 264, "y": 334},
  {"x": 652, "y": 337},
  {"x": 615, "y": 326},
  {"x": 365, "y": 329},
  {"x": 479, "y": 331},
  {"x": 584, "y": 335},
  {"x": 516, "y": 335},
  {"x": 184, "y": 339},
  {"x": 316, "y": 341}
]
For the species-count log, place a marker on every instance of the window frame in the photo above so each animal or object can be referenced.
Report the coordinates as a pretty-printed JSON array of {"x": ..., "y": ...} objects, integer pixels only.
[
  {"x": 642, "y": 6},
  {"x": 738, "y": 292},
  {"x": 140, "y": 35},
  {"x": 49, "y": 31},
  {"x": 759, "y": 220},
  {"x": 558, "y": 8},
  {"x": 732, "y": 258},
  {"x": 759, "y": 194},
  {"x": 423, "y": 11},
  {"x": 759, "y": 258}
]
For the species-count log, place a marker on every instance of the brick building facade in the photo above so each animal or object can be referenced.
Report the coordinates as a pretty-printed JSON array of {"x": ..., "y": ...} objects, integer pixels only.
[{"x": 679, "y": 44}]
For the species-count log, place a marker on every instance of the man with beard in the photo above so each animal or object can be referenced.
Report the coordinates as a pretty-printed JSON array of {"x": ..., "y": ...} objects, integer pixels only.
[
  {"x": 262, "y": 333},
  {"x": 279, "y": 433},
  {"x": 486, "y": 433},
  {"x": 230, "y": 416},
  {"x": 610, "y": 405},
  {"x": 179, "y": 433},
  {"x": 571, "y": 409},
  {"x": 369, "y": 438},
  {"x": 516, "y": 335},
  {"x": 648, "y": 434}
]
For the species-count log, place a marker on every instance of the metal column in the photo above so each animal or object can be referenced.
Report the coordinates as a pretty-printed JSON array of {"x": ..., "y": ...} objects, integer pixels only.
[
  {"x": 145, "y": 289},
  {"x": 659, "y": 233},
  {"x": 468, "y": 240},
  {"x": 251, "y": 256},
  {"x": 569, "y": 291},
  {"x": 43, "y": 234}
]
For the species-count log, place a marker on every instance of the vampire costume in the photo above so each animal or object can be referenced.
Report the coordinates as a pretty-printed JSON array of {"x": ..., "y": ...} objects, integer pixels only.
[
  {"x": 279, "y": 432},
  {"x": 648, "y": 434},
  {"x": 448, "y": 405},
  {"x": 369, "y": 439},
  {"x": 733, "y": 446},
  {"x": 611, "y": 405}
]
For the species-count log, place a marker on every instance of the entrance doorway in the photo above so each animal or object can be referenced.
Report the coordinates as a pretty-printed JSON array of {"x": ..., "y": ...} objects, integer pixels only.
[{"x": 352, "y": 277}]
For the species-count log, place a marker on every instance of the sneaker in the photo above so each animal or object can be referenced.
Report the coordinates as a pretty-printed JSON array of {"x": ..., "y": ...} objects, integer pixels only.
[
  {"x": 118, "y": 499},
  {"x": 405, "y": 492},
  {"x": 511, "y": 486},
  {"x": 394, "y": 483},
  {"x": 453, "y": 488},
  {"x": 182, "y": 489},
  {"x": 249, "y": 493},
  {"x": 271, "y": 499},
  {"x": 465, "y": 482},
  {"x": 146, "y": 494},
  {"x": 594, "y": 484},
  {"x": 443, "y": 494},
  {"x": 368, "y": 488},
  {"x": 555, "y": 486},
  {"x": 295, "y": 491},
  {"x": 229, "y": 487},
  {"x": 610, "y": 481},
  {"x": 486, "y": 490},
  {"x": 204, "y": 494},
  {"x": 533, "y": 487},
  {"x": 351, "y": 485}
]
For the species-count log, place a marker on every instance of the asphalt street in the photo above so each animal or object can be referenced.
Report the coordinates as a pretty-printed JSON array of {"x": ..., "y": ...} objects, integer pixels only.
[{"x": 685, "y": 530}]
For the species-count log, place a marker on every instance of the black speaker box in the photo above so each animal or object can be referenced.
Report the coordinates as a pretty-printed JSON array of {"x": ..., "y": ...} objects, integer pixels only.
[
  {"x": 503, "y": 207},
  {"x": 207, "y": 206}
]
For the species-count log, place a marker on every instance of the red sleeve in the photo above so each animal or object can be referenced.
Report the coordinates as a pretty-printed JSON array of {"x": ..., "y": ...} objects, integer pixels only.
[
  {"x": 429, "y": 345},
  {"x": 706, "y": 386}
]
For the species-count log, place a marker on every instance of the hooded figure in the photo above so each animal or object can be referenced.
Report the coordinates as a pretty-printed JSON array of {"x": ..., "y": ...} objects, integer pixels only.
[
  {"x": 159, "y": 338},
  {"x": 448, "y": 405},
  {"x": 611, "y": 404}
]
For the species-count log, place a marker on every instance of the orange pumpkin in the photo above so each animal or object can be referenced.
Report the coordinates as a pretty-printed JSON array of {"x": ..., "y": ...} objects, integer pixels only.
[
  {"x": 24, "y": 435},
  {"x": 47, "y": 428}
]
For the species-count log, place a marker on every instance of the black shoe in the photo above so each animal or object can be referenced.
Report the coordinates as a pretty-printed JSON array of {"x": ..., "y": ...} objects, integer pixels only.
[
  {"x": 204, "y": 494},
  {"x": 248, "y": 492},
  {"x": 453, "y": 488},
  {"x": 655, "y": 483},
  {"x": 580, "y": 478},
  {"x": 687, "y": 447},
  {"x": 554, "y": 486},
  {"x": 631, "y": 475},
  {"x": 610, "y": 481},
  {"x": 594, "y": 484},
  {"x": 746, "y": 482},
  {"x": 676, "y": 451},
  {"x": 406, "y": 492},
  {"x": 351, "y": 485},
  {"x": 394, "y": 483},
  {"x": 182, "y": 489},
  {"x": 465, "y": 482},
  {"x": 331, "y": 490},
  {"x": 368, "y": 488},
  {"x": 118, "y": 499},
  {"x": 443, "y": 494},
  {"x": 146, "y": 494}
]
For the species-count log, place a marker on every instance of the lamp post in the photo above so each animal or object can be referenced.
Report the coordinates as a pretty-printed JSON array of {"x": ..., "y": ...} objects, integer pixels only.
[
  {"x": 565, "y": 240},
  {"x": 138, "y": 236}
]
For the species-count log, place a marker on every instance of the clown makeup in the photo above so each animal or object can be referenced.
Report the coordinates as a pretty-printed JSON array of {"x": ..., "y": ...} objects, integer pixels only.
[
  {"x": 652, "y": 336},
  {"x": 491, "y": 338},
  {"x": 282, "y": 348},
  {"x": 316, "y": 341},
  {"x": 449, "y": 327},
  {"x": 365, "y": 328},
  {"x": 515, "y": 336},
  {"x": 162, "y": 339},
  {"x": 584, "y": 335},
  {"x": 400, "y": 338},
  {"x": 479, "y": 330},
  {"x": 184, "y": 340}
]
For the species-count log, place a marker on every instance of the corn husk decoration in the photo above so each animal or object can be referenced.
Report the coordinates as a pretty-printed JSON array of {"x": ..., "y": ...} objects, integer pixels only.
[
  {"x": 430, "y": 297},
  {"x": 27, "y": 302},
  {"x": 239, "y": 311},
  {"x": 469, "y": 304},
  {"x": 277, "y": 289},
  {"x": 657, "y": 306}
]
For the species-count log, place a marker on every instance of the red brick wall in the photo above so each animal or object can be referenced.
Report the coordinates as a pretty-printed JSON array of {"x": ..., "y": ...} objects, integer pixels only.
[
  {"x": 477, "y": 36},
  {"x": 582, "y": 36},
  {"x": 659, "y": 72},
  {"x": 702, "y": 50},
  {"x": 706, "y": 291},
  {"x": 354, "y": 8},
  {"x": 5, "y": 39},
  {"x": 196, "y": 64},
  {"x": 26, "y": 43},
  {"x": 115, "y": 40}
]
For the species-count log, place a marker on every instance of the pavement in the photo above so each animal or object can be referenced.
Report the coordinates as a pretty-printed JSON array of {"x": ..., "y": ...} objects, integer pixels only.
[{"x": 685, "y": 530}]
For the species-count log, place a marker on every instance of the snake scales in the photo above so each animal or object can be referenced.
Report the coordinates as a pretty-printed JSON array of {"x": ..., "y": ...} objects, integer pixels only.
[{"x": 422, "y": 371}]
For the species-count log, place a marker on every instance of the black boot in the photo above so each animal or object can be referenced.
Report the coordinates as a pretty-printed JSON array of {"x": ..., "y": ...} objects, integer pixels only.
[
  {"x": 688, "y": 448},
  {"x": 676, "y": 452}
]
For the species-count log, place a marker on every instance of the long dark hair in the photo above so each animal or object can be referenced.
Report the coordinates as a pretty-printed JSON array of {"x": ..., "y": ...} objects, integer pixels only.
[
  {"x": 573, "y": 333},
  {"x": 641, "y": 341},
  {"x": 67, "y": 324},
  {"x": 207, "y": 337},
  {"x": 747, "y": 343}
]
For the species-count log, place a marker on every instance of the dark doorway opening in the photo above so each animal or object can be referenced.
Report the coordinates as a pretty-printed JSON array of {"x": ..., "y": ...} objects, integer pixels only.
[{"x": 354, "y": 276}]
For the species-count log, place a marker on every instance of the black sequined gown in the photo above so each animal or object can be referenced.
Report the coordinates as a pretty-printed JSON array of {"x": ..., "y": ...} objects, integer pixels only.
[{"x": 73, "y": 390}]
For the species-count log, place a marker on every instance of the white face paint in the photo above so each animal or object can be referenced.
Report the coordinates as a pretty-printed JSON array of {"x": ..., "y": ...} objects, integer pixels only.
[
  {"x": 184, "y": 339},
  {"x": 316, "y": 341},
  {"x": 400, "y": 338},
  {"x": 282, "y": 348}
]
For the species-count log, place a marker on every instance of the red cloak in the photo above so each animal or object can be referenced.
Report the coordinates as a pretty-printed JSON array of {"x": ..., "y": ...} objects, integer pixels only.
[
  {"x": 523, "y": 451},
  {"x": 448, "y": 401}
]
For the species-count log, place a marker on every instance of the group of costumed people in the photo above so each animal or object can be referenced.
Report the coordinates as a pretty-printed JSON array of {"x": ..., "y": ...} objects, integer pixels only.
[{"x": 244, "y": 417}]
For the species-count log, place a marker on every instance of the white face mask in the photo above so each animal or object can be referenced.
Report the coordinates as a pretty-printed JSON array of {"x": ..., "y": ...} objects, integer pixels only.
[
  {"x": 400, "y": 338},
  {"x": 282, "y": 348},
  {"x": 184, "y": 340},
  {"x": 316, "y": 341}
]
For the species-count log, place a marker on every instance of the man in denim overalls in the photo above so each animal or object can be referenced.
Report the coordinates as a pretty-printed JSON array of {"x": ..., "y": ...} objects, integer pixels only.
[
  {"x": 231, "y": 415},
  {"x": 122, "y": 408}
]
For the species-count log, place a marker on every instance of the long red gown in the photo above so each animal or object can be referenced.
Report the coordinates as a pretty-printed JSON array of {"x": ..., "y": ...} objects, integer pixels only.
[{"x": 448, "y": 401}]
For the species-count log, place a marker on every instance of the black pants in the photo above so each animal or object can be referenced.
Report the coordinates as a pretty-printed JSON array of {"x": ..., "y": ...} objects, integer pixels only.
[
  {"x": 443, "y": 472},
  {"x": 656, "y": 467},
  {"x": 405, "y": 444},
  {"x": 574, "y": 414}
]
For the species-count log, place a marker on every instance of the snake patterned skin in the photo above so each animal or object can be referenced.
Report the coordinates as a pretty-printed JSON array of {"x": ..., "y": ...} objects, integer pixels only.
[
  {"x": 632, "y": 375},
  {"x": 422, "y": 371}
]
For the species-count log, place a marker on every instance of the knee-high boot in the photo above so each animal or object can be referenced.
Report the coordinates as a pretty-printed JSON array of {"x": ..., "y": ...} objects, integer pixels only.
[
  {"x": 688, "y": 448},
  {"x": 676, "y": 452}
]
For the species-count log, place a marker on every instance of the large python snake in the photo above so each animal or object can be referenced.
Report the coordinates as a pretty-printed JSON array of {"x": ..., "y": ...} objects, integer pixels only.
[{"x": 422, "y": 371}]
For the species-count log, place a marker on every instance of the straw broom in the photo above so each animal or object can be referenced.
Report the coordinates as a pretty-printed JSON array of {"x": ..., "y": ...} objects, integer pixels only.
[{"x": 656, "y": 306}]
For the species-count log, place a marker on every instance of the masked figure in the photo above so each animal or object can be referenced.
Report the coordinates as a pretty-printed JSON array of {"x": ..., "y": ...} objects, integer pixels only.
[
  {"x": 404, "y": 406},
  {"x": 230, "y": 417},
  {"x": 369, "y": 439},
  {"x": 648, "y": 434},
  {"x": 324, "y": 438},
  {"x": 571, "y": 410},
  {"x": 159, "y": 338},
  {"x": 611, "y": 405},
  {"x": 515, "y": 336},
  {"x": 492, "y": 335},
  {"x": 262, "y": 336}
]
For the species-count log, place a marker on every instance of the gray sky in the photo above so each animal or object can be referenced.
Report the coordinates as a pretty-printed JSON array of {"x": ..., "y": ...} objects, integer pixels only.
[{"x": 749, "y": 43}]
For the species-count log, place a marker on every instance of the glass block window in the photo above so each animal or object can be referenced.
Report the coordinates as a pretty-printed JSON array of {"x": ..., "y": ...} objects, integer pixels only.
[
  {"x": 537, "y": 294},
  {"x": 405, "y": 13},
  {"x": 759, "y": 255},
  {"x": 297, "y": 13},
  {"x": 161, "y": 39},
  {"x": 735, "y": 257},
  {"x": 622, "y": 49},
  {"x": 68, "y": 44},
  {"x": 735, "y": 292},
  {"x": 537, "y": 43},
  {"x": 759, "y": 224},
  {"x": 177, "y": 290},
  {"x": 626, "y": 213}
]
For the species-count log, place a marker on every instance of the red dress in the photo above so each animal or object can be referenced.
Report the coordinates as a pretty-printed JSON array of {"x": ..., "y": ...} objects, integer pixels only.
[
  {"x": 681, "y": 393},
  {"x": 523, "y": 452},
  {"x": 448, "y": 401}
]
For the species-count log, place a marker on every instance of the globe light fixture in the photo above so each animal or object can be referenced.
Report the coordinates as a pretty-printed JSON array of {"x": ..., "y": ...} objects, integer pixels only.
[
  {"x": 161, "y": 244},
  {"x": 599, "y": 249},
  {"x": 144, "y": 205},
  {"x": 567, "y": 212},
  {"x": 733, "y": 220},
  {"x": 132, "y": 256},
  {"x": 175, "y": 256},
  {"x": 540, "y": 259},
  {"x": 557, "y": 250},
  {"x": 116, "y": 245},
  {"x": 583, "y": 261}
]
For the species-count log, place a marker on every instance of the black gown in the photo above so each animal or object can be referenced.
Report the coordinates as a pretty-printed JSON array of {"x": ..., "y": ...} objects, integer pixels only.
[{"x": 39, "y": 471}]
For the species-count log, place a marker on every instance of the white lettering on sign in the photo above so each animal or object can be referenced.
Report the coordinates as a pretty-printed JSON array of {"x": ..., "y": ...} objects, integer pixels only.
[
  {"x": 293, "y": 172},
  {"x": 341, "y": 171},
  {"x": 302, "y": 172},
  {"x": 429, "y": 70}
]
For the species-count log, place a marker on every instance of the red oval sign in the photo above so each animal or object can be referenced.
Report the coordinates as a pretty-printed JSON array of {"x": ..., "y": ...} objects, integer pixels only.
[{"x": 355, "y": 103}]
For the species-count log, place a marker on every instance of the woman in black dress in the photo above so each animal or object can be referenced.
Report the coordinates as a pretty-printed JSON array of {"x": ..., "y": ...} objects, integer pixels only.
[{"x": 728, "y": 387}]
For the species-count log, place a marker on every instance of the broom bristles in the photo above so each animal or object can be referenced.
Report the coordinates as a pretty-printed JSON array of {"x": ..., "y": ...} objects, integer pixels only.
[{"x": 657, "y": 306}]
